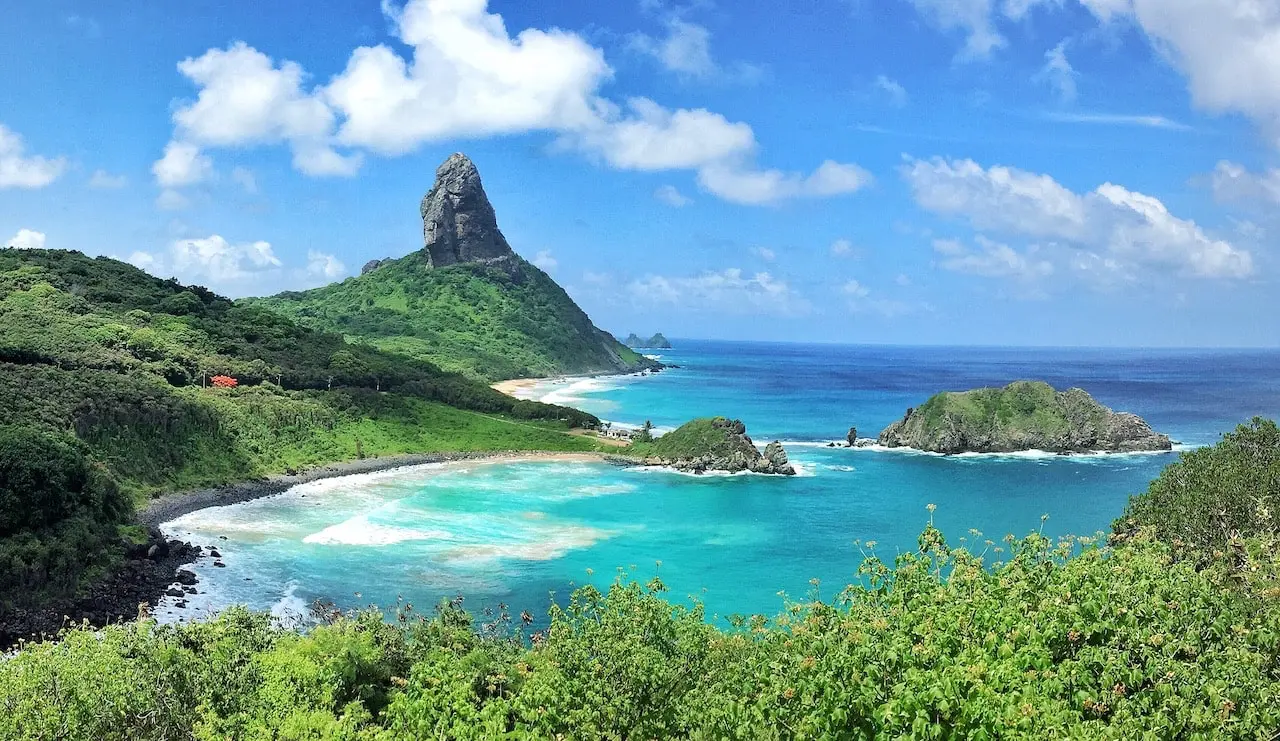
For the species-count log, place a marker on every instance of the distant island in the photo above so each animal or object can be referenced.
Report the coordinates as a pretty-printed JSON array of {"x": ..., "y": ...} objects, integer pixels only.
[
  {"x": 656, "y": 342},
  {"x": 713, "y": 444},
  {"x": 1025, "y": 415}
]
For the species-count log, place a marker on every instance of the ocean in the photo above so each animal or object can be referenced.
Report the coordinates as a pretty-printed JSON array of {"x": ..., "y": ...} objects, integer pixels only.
[{"x": 525, "y": 533}]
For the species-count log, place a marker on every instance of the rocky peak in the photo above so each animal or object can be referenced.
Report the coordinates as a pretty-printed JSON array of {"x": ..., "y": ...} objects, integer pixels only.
[{"x": 458, "y": 222}]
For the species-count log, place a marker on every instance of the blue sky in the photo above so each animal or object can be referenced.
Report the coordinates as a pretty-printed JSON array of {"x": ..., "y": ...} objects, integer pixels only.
[{"x": 1072, "y": 172}]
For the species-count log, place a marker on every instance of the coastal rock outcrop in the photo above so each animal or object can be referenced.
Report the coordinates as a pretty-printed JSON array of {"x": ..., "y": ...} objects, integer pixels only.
[
  {"x": 458, "y": 222},
  {"x": 656, "y": 342},
  {"x": 1025, "y": 415},
  {"x": 715, "y": 444},
  {"x": 373, "y": 265}
]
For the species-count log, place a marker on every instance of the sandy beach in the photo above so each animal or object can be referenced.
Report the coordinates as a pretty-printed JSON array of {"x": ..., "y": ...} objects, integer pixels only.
[
  {"x": 513, "y": 386},
  {"x": 172, "y": 506}
]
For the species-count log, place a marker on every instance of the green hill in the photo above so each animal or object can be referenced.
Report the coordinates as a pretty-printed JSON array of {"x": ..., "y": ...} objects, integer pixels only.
[
  {"x": 465, "y": 302},
  {"x": 110, "y": 372},
  {"x": 489, "y": 321}
]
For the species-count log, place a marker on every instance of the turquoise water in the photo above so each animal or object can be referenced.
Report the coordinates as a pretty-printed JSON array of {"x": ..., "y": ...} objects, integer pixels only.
[{"x": 516, "y": 532}]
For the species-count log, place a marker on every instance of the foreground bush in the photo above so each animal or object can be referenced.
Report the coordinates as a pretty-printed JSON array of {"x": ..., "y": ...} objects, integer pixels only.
[
  {"x": 1212, "y": 495},
  {"x": 1123, "y": 643}
]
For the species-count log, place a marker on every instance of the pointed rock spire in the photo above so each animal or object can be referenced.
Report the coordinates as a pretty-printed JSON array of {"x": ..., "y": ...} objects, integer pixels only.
[{"x": 458, "y": 222}]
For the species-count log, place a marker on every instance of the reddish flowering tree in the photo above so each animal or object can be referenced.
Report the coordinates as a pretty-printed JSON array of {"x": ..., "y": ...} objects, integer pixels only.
[{"x": 224, "y": 382}]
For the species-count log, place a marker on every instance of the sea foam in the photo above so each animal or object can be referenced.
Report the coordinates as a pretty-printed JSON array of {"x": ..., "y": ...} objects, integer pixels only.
[{"x": 360, "y": 531}]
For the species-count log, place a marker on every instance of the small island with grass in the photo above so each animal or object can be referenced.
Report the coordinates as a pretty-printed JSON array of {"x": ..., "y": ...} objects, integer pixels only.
[
  {"x": 713, "y": 444},
  {"x": 1025, "y": 415}
]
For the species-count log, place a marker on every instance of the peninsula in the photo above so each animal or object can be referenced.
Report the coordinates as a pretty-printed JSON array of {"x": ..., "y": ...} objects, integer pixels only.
[{"x": 1025, "y": 415}]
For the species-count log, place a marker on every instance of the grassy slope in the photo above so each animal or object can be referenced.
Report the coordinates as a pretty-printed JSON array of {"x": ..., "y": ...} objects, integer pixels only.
[
  {"x": 690, "y": 440},
  {"x": 99, "y": 349},
  {"x": 486, "y": 322},
  {"x": 1024, "y": 406}
]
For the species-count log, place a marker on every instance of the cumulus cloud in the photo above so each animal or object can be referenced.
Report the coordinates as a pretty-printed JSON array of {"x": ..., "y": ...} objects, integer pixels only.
[
  {"x": 671, "y": 195},
  {"x": 468, "y": 77},
  {"x": 727, "y": 291},
  {"x": 323, "y": 265},
  {"x": 181, "y": 165},
  {"x": 1233, "y": 182},
  {"x": 246, "y": 98},
  {"x": 211, "y": 261},
  {"x": 1229, "y": 51},
  {"x": 1111, "y": 221},
  {"x": 26, "y": 239},
  {"x": 103, "y": 180},
  {"x": 21, "y": 170}
]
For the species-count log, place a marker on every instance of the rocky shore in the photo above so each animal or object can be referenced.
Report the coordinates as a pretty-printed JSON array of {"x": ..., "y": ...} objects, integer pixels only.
[{"x": 145, "y": 572}]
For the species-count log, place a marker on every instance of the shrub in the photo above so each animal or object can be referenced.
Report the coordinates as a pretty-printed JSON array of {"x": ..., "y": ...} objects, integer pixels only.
[{"x": 1211, "y": 495}]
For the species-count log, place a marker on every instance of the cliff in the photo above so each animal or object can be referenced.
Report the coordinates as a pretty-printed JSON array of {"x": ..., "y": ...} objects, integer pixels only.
[{"x": 1026, "y": 415}]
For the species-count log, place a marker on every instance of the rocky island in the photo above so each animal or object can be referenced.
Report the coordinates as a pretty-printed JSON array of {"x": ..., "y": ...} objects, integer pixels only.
[
  {"x": 656, "y": 342},
  {"x": 714, "y": 444},
  {"x": 1025, "y": 415}
]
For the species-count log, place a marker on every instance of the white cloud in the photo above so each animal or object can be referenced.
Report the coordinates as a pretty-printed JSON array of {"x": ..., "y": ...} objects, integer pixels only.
[
  {"x": 999, "y": 198},
  {"x": 1058, "y": 73},
  {"x": 686, "y": 51},
  {"x": 1228, "y": 49},
  {"x": 245, "y": 98},
  {"x": 738, "y": 184},
  {"x": 1111, "y": 221},
  {"x": 764, "y": 253},
  {"x": 467, "y": 77},
  {"x": 103, "y": 180},
  {"x": 855, "y": 289},
  {"x": 26, "y": 239},
  {"x": 843, "y": 248},
  {"x": 322, "y": 265},
  {"x": 652, "y": 137},
  {"x": 1118, "y": 119},
  {"x": 892, "y": 88},
  {"x": 862, "y": 300},
  {"x": 1233, "y": 182},
  {"x": 671, "y": 196},
  {"x": 20, "y": 170},
  {"x": 727, "y": 291},
  {"x": 181, "y": 165},
  {"x": 244, "y": 177},
  {"x": 215, "y": 259},
  {"x": 992, "y": 260},
  {"x": 545, "y": 260},
  {"x": 973, "y": 17}
]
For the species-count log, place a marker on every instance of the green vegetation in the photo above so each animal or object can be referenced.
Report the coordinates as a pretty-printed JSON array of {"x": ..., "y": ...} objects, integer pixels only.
[
  {"x": 1119, "y": 643},
  {"x": 488, "y": 322},
  {"x": 1212, "y": 497},
  {"x": 58, "y": 512},
  {"x": 1021, "y": 416},
  {"x": 104, "y": 386},
  {"x": 717, "y": 437}
]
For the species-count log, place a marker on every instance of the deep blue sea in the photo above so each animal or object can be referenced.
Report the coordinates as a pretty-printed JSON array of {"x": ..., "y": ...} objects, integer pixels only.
[{"x": 517, "y": 532}]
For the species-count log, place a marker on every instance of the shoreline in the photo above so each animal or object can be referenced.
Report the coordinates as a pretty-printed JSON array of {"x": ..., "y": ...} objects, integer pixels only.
[{"x": 171, "y": 506}]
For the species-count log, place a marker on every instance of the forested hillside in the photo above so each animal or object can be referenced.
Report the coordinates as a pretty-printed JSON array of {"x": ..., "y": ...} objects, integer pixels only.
[
  {"x": 123, "y": 382},
  {"x": 489, "y": 321}
]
